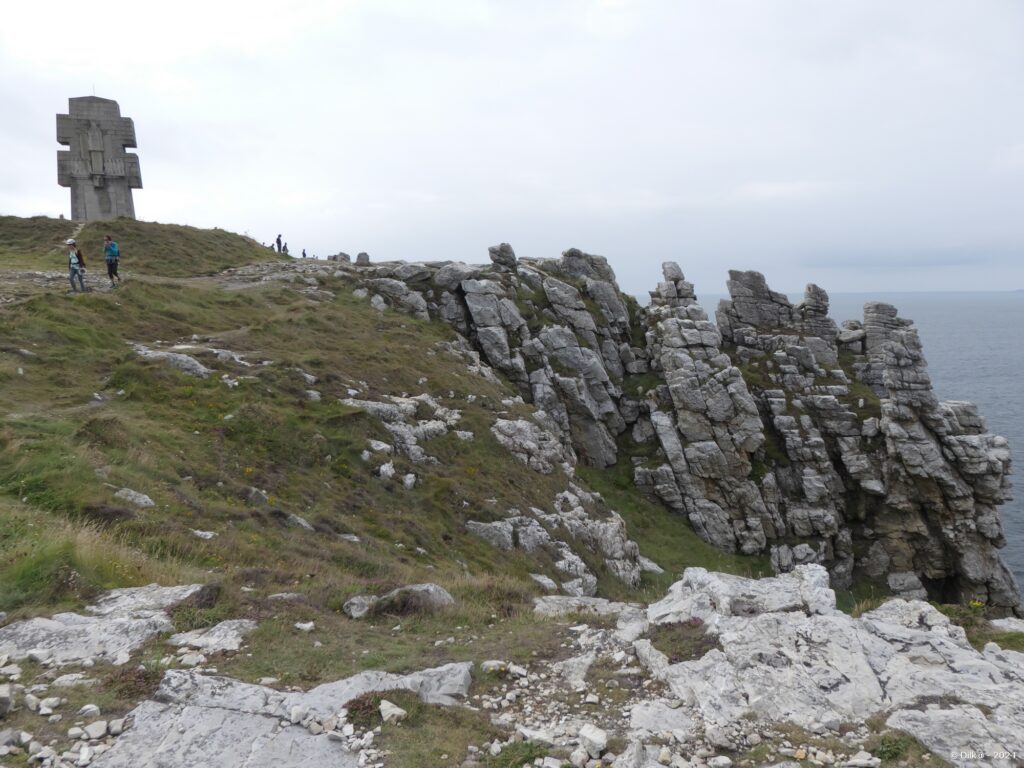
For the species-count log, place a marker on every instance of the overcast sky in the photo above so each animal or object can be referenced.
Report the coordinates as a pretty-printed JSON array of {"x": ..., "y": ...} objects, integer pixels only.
[{"x": 858, "y": 144}]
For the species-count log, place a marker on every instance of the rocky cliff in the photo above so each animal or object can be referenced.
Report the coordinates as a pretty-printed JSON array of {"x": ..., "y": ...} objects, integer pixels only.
[{"x": 771, "y": 429}]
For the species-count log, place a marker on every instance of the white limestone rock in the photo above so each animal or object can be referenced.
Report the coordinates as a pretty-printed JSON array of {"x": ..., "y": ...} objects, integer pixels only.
[
  {"x": 391, "y": 713},
  {"x": 140, "y": 500},
  {"x": 649, "y": 566},
  {"x": 533, "y": 445},
  {"x": 707, "y": 596},
  {"x": 184, "y": 363},
  {"x": 787, "y": 655},
  {"x": 1008, "y": 625},
  {"x": 120, "y": 622},
  {"x": 96, "y": 729},
  {"x": 593, "y": 739},
  {"x": 357, "y": 607},
  {"x": 546, "y": 582},
  {"x": 225, "y": 636},
  {"x": 654, "y": 717},
  {"x": 536, "y": 735},
  {"x": 202, "y": 720}
]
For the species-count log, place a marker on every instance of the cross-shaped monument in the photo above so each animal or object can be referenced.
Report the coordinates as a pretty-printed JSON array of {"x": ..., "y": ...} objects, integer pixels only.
[{"x": 96, "y": 167}]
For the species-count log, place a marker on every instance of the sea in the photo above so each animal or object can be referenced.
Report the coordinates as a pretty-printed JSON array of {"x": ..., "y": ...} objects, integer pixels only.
[{"x": 974, "y": 344}]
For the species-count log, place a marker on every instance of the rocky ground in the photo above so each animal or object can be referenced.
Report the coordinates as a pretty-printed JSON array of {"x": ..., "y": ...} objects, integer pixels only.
[{"x": 722, "y": 671}]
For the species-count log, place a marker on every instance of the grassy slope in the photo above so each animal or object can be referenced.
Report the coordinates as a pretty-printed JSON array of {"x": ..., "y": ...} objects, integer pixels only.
[
  {"x": 83, "y": 416},
  {"x": 172, "y": 250},
  {"x": 33, "y": 243}
]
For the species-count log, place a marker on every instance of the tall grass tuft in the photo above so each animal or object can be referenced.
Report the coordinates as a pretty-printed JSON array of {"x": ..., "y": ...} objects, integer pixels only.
[{"x": 71, "y": 564}]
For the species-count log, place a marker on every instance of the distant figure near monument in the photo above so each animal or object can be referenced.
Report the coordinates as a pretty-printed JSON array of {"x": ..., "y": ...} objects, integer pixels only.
[{"x": 96, "y": 167}]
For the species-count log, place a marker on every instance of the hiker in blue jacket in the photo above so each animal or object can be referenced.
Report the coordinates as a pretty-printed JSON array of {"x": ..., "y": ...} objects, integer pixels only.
[
  {"x": 112, "y": 254},
  {"x": 76, "y": 265}
]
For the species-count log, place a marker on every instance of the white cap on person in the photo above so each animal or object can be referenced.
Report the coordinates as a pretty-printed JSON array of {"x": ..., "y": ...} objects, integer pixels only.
[{"x": 69, "y": 241}]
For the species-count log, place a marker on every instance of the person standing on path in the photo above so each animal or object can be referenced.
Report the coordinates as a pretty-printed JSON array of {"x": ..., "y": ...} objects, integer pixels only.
[
  {"x": 112, "y": 254},
  {"x": 76, "y": 265},
  {"x": 278, "y": 241}
]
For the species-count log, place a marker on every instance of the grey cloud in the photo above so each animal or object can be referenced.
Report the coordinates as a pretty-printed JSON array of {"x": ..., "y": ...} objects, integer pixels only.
[{"x": 864, "y": 143}]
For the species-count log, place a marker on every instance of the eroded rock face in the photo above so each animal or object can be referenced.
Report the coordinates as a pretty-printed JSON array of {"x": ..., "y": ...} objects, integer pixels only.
[
  {"x": 577, "y": 523},
  {"x": 787, "y": 655},
  {"x": 119, "y": 623},
  {"x": 771, "y": 429}
]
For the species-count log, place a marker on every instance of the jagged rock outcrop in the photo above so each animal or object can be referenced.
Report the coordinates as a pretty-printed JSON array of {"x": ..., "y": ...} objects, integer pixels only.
[
  {"x": 772, "y": 429},
  {"x": 787, "y": 654}
]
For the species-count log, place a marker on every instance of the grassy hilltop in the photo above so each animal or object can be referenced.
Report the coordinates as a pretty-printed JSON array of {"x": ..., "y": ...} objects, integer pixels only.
[{"x": 166, "y": 250}]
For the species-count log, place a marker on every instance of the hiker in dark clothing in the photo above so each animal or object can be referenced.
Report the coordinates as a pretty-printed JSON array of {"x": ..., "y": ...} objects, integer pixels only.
[
  {"x": 76, "y": 265},
  {"x": 278, "y": 241},
  {"x": 112, "y": 254},
  {"x": 284, "y": 250},
  {"x": 303, "y": 253}
]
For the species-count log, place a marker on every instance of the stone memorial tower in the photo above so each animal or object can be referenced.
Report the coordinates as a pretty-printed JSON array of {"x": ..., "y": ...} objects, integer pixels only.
[{"x": 96, "y": 167}]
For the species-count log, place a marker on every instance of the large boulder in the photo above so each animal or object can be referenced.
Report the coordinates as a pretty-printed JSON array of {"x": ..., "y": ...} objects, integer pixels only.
[
  {"x": 503, "y": 257},
  {"x": 414, "y": 598}
]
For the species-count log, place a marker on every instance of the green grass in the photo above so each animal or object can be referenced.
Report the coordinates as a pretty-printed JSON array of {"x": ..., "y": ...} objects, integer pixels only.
[
  {"x": 755, "y": 372},
  {"x": 639, "y": 384},
  {"x": 976, "y": 625},
  {"x": 683, "y": 641},
  {"x": 147, "y": 248},
  {"x": 478, "y": 628},
  {"x": 865, "y": 595},
  {"x": 85, "y": 417},
  {"x": 896, "y": 748},
  {"x": 172, "y": 250},
  {"x": 53, "y": 563},
  {"x": 35, "y": 243},
  {"x": 872, "y": 407}
]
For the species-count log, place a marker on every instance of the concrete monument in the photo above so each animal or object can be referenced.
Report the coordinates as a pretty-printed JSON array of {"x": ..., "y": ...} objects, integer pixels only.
[{"x": 96, "y": 167}]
